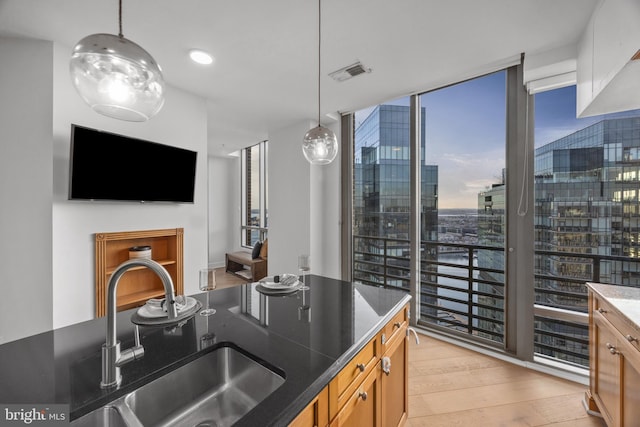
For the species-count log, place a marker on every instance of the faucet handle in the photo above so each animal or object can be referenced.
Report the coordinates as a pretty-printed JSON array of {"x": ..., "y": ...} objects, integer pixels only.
[
  {"x": 134, "y": 353},
  {"x": 129, "y": 355},
  {"x": 136, "y": 336}
]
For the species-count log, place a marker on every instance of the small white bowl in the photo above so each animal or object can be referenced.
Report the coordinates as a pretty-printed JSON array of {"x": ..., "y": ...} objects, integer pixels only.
[{"x": 140, "y": 252}]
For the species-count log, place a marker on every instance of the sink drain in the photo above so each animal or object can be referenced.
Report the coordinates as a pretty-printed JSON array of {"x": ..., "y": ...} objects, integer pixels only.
[{"x": 207, "y": 423}]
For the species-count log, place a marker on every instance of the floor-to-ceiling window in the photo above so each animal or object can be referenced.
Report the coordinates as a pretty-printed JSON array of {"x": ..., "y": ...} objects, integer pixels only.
[
  {"x": 254, "y": 193},
  {"x": 381, "y": 197},
  {"x": 461, "y": 202},
  {"x": 463, "y": 209},
  {"x": 587, "y": 216},
  {"x": 504, "y": 188}
]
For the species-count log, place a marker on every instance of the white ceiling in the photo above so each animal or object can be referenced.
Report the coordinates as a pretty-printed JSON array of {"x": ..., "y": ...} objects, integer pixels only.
[{"x": 265, "y": 73}]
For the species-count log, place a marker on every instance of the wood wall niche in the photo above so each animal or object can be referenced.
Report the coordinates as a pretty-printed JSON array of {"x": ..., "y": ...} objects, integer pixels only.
[{"x": 137, "y": 285}]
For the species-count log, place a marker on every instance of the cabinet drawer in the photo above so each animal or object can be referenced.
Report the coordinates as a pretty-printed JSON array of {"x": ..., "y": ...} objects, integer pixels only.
[
  {"x": 361, "y": 408},
  {"x": 624, "y": 326},
  {"x": 351, "y": 376},
  {"x": 394, "y": 329}
]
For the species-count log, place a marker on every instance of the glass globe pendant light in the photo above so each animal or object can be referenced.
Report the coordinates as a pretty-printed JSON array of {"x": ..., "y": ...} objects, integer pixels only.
[
  {"x": 320, "y": 144},
  {"x": 116, "y": 77}
]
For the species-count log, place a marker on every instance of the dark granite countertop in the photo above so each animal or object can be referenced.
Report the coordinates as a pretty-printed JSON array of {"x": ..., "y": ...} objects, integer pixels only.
[{"x": 309, "y": 345}]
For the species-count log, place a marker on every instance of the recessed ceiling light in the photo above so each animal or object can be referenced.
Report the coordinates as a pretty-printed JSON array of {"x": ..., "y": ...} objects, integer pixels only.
[{"x": 200, "y": 57}]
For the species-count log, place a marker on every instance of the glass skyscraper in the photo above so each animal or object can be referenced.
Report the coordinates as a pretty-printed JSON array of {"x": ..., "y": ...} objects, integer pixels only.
[
  {"x": 587, "y": 189},
  {"x": 587, "y": 186},
  {"x": 382, "y": 196},
  {"x": 491, "y": 232}
]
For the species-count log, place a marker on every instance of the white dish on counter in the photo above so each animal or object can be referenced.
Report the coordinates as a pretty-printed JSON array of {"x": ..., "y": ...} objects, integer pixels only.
[{"x": 267, "y": 285}]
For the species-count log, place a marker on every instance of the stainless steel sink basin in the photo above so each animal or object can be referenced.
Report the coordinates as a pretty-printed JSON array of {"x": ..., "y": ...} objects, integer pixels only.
[
  {"x": 216, "y": 389},
  {"x": 105, "y": 416}
]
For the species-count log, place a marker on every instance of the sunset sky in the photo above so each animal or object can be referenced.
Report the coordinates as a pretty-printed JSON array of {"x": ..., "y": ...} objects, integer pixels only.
[{"x": 465, "y": 132}]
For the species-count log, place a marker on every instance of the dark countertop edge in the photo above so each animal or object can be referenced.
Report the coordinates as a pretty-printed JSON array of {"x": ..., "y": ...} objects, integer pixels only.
[{"x": 291, "y": 411}]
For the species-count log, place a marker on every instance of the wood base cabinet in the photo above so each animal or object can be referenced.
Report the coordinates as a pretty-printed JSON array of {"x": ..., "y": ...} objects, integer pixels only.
[
  {"x": 615, "y": 365},
  {"x": 372, "y": 389},
  {"x": 316, "y": 414},
  {"x": 394, "y": 381},
  {"x": 363, "y": 407}
]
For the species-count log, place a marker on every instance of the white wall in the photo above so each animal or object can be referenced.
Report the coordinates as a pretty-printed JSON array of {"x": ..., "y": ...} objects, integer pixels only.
[
  {"x": 325, "y": 216},
  {"x": 182, "y": 122},
  {"x": 289, "y": 199},
  {"x": 57, "y": 277},
  {"x": 224, "y": 208},
  {"x": 304, "y": 206},
  {"x": 25, "y": 187}
]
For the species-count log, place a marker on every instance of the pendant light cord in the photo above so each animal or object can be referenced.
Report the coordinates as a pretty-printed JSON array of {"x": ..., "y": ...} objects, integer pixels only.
[
  {"x": 319, "y": 50},
  {"x": 120, "y": 19}
]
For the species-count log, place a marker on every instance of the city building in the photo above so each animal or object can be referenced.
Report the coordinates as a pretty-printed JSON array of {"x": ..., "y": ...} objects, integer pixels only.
[
  {"x": 586, "y": 203},
  {"x": 491, "y": 262},
  {"x": 382, "y": 196}
]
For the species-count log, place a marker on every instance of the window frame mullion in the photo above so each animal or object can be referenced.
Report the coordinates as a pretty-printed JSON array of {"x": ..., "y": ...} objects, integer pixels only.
[
  {"x": 519, "y": 254},
  {"x": 415, "y": 200}
]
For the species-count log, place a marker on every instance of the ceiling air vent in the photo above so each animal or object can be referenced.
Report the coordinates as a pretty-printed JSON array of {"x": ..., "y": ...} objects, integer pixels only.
[{"x": 349, "y": 71}]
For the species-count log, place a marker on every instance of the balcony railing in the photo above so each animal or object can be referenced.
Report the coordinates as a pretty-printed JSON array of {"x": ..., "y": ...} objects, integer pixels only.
[
  {"x": 460, "y": 292},
  {"x": 462, "y": 289}
]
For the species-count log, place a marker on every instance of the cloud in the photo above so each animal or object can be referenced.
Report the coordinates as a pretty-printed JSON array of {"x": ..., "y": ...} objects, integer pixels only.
[{"x": 462, "y": 176}]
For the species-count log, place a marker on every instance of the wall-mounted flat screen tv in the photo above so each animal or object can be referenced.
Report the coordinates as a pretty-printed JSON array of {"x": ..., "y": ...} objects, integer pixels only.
[{"x": 107, "y": 166}]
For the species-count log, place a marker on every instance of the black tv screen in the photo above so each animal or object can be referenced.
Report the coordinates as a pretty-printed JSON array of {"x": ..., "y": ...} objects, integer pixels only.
[{"x": 107, "y": 166}]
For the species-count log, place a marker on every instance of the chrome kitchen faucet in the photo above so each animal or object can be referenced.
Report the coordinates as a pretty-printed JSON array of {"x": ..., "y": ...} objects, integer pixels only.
[{"x": 112, "y": 357}]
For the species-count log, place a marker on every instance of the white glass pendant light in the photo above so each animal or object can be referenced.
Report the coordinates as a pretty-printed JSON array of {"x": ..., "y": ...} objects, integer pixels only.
[
  {"x": 116, "y": 77},
  {"x": 320, "y": 145}
]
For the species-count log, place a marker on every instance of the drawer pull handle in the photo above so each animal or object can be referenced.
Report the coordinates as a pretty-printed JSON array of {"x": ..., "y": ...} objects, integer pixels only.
[
  {"x": 396, "y": 325},
  {"x": 631, "y": 338},
  {"x": 363, "y": 395},
  {"x": 612, "y": 349},
  {"x": 360, "y": 366},
  {"x": 601, "y": 310}
]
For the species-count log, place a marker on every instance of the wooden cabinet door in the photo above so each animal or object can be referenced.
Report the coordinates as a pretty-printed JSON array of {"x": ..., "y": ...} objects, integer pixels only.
[
  {"x": 394, "y": 385},
  {"x": 630, "y": 384},
  {"x": 363, "y": 407},
  {"x": 316, "y": 414},
  {"x": 607, "y": 371}
]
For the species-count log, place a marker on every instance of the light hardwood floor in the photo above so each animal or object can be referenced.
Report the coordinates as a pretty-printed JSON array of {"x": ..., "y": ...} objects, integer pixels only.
[
  {"x": 227, "y": 280},
  {"x": 452, "y": 386}
]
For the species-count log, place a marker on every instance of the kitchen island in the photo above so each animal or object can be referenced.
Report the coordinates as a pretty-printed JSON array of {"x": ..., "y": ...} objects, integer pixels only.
[{"x": 308, "y": 336}]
